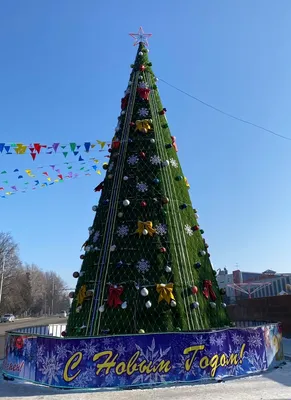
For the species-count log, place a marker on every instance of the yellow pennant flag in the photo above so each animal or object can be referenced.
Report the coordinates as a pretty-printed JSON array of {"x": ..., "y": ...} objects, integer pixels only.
[{"x": 102, "y": 144}]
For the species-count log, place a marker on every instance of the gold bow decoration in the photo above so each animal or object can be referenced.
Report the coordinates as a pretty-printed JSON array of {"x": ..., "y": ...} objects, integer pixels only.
[
  {"x": 165, "y": 292},
  {"x": 143, "y": 125},
  {"x": 148, "y": 225},
  {"x": 81, "y": 295}
]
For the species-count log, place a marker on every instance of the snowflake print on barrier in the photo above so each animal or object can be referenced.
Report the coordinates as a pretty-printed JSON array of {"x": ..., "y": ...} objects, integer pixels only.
[
  {"x": 153, "y": 355},
  {"x": 132, "y": 160},
  {"x": 122, "y": 231},
  {"x": 161, "y": 229},
  {"x": 142, "y": 187},
  {"x": 143, "y": 266},
  {"x": 155, "y": 160},
  {"x": 62, "y": 351},
  {"x": 220, "y": 341},
  {"x": 121, "y": 350},
  {"x": 188, "y": 230},
  {"x": 96, "y": 236},
  {"x": 143, "y": 112},
  {"x": 255, "y": 340},
  {"x": 88, "y": 349},
  {"x": 51, "y": 369},
  {"x": 173, "y": 163},
  {"x": 237, "y": 339}
]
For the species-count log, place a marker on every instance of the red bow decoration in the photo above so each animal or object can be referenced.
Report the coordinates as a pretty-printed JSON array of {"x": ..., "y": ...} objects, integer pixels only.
[
  {"x": 99, "y": 187},
  {"x": 174, "y": 144},
  {"x": 114, "y": 296},
  {"x": 208, "y": 290},
  {"x": 124, "y": 102},
  {"x": 144, "y": 93}
]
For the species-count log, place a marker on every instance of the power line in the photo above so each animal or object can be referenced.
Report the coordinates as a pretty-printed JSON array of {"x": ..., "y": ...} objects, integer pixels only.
[{"x": 225, "y": 113}]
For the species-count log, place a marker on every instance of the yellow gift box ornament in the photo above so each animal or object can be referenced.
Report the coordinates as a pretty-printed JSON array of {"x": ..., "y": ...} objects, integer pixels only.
[
  {"x": 143, "y": 125},
  {"x": 165, "y": 292},
  {"x": 145, "y": 228}
]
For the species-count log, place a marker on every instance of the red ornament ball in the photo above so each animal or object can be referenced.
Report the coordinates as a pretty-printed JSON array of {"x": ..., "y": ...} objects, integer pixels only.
[
  {"x": 163, "y": 250},
  {"x": 142, "y": 68},
  {"x": 64, "y": 333},
  {"x": 142, "y": 155},
  {"x": 143, "y": 204},
  {"x": 195, "y": 228},
  {"x": 194, "y": 289}
]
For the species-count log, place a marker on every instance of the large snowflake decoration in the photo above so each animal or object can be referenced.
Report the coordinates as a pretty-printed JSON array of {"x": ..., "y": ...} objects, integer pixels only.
[
  {"x": 50, "y": 368},
  {"x": 155, "y": 160},
  {"x": 132, "y": 160},
  {"x": 122, "y": 231},
  {"x": 81, "y": 381},
  {"x": 173, "y": 163},
  {"x": 143, "y": 112},
  {"x": 142, "y": 187},
  {"x": 96, "y": 236},
  {"x": 188, "y": 230},
  {"x": 161, "y": 229},
  {"x": 143, "y": 266},
  {"x": 153, "y": 355},
  {"x": 255, "y": 340}
]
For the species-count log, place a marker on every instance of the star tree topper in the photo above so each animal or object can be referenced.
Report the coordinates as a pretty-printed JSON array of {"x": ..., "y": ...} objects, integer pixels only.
[{"x": 140, "y": 37}]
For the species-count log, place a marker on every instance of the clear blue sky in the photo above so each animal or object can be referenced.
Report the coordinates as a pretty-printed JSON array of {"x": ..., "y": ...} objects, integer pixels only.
[{"x": 64, "y": 67}]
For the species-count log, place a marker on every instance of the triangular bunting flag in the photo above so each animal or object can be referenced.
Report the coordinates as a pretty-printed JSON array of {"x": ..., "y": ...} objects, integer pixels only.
[
  {"x": 73, "y": 146},
  {"x": 33, "y": 155},
  {"x": 87, "y": 146},
  {"x": 55, "y": 146},
  {"x": 65, "y": 153}
]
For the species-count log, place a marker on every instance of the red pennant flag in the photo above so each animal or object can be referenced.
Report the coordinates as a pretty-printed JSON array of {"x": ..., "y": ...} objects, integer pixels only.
[
  {"x": 45, "y": 173},
  {"x": 37, "y": 147},
  {"x": 60, "y": 176},
  {"x": 33, "y": 155}
]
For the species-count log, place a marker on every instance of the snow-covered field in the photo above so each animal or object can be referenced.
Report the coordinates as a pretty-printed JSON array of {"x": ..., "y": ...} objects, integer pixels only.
[{"x": 273, "y": 385}]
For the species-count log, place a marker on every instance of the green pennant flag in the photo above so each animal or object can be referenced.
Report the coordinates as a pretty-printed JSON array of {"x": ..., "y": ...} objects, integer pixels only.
[
  {"x": 65, "y": 153},
  {"x": 4, "y": 172},
  {"x": 5, "y": 181},
  {"x": 73, "y": 146},
  {"x": 70, "y": 167},
  {"x": 63, "y": 147}
]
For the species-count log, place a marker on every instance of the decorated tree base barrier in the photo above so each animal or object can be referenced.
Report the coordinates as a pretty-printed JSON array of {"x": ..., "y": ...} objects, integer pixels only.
[{"x": 147, "y": 360}]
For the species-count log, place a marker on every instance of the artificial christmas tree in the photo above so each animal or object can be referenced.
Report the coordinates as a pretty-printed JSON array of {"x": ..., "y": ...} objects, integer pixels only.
[{"x": 146, "y": 266}]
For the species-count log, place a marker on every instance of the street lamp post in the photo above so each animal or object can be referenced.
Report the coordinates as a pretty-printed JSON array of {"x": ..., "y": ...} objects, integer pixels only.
[{"x": 2, "y": 276}]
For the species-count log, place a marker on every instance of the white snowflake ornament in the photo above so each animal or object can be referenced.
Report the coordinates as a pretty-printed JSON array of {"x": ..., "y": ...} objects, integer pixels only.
[
  {"x": 173, "y": 163},
  {"x": 122, "y": 231},
  {"x": 143, "y": 85},
  {"x": 188, "y": 230},
  {"x": 161, "y": 229},
  {"x": 132, "y": 160},
  {"x": 155, "y": 160},
  {"x": 143, "y": 266},
  {"x": 142, "y": 187},
  {"x": 143, "y": 112}
]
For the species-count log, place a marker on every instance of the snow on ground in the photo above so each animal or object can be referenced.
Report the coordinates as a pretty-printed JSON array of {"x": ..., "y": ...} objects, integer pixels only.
[
  {"x": 272, "y": 385},
  {"x": 287, "y": 347}
]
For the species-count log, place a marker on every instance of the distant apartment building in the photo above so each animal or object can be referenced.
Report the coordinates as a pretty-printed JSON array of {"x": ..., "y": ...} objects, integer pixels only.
[{"x": 240, "y": 284}]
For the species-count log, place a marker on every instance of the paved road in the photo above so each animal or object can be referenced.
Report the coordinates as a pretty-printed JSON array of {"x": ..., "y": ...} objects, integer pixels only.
[{"x": 26, "y": 322}]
